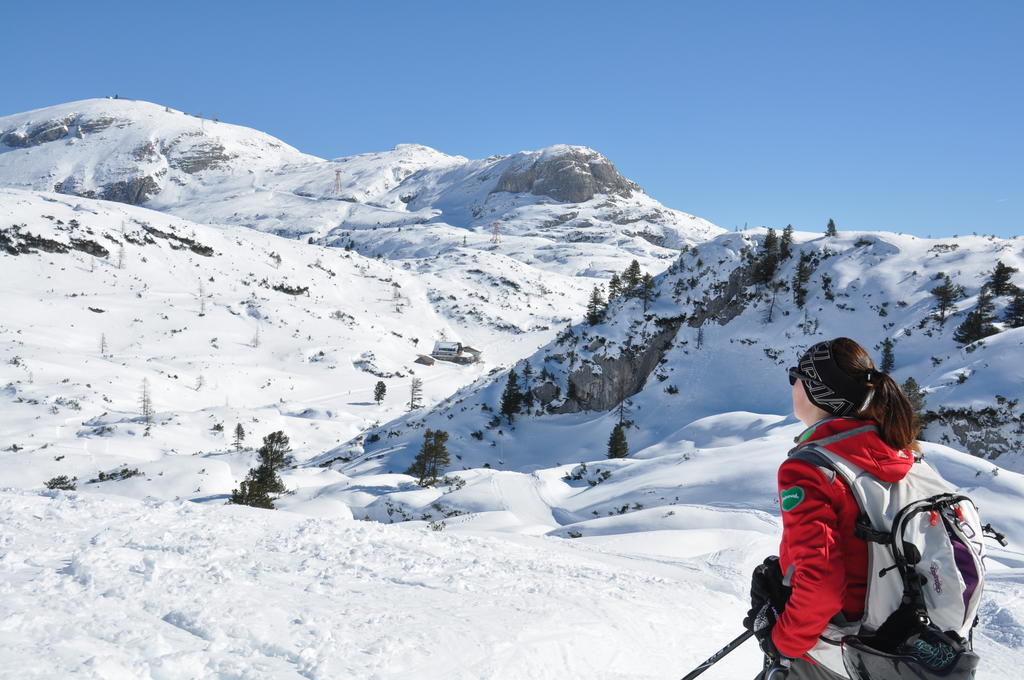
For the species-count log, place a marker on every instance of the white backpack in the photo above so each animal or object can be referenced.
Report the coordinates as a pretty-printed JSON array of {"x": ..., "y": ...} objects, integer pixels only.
[{"x": 925, "y": 552}]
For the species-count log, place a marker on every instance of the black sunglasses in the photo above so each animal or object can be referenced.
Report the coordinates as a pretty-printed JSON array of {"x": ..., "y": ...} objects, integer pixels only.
[{"x": 795, "y": 374}]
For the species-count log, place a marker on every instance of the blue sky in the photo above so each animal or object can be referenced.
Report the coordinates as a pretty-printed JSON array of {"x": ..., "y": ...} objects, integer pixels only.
[{"x": 904, "y": 115}]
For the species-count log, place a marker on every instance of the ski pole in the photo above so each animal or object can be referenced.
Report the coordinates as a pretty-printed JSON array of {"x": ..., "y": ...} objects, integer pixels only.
[{"x": 717, "y": 656}]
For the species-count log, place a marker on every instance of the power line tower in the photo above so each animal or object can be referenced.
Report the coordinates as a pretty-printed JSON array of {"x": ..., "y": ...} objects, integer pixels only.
[
  {"x": 495, "y": 231},
  {"x": 337, "y": 182}
]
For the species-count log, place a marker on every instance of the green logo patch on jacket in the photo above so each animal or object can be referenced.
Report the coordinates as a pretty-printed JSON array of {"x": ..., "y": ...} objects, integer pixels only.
[{"x": 791, "y": 497}]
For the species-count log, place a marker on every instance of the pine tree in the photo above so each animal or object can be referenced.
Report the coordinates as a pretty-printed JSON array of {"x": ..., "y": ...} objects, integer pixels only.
[
  {"x": 647, "y": 290},
  {"x": 999, "y": 279},
  {"x": 432, "y": 459},
  {"x": 916, "y": 396},
  {"x": 800, "y": 279},
  {"x": 888, "y": 357},
  {"x": 379, "y": 390},
  {"x": 786, "y": 243},
  {"x": 239, "y": 436},
  {"x": 768, "y": 260},
  {"x": 618, "y": 447},
  {"x": 275, "y": 452},
  {"x": 946, "y": 294},
  {"x": 631, "y": 279},
  {"x": 831, "y": 230},
  {"x": 596, "y": 307},
  {"x": 255, "y": 489},
  {"x": 614, "y": 287},
  {"x": 511, "y": 398},
  {"x": 978, "y": 323},
  {"x": 146, "y": 405},
  {"x": 527, "y": 389},
  {"x": 1015, "y": 310},
  {"x": 415, "y": 394}
]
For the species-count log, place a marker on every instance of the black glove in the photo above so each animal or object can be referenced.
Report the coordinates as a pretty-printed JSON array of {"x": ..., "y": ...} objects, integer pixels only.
[
  {"x": 766, "y": 589},
  {"x": 776, "y": 664}
]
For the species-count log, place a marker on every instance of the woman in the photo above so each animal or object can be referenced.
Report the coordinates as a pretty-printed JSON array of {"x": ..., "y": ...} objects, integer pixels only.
[{"x": 819, "y": 579}]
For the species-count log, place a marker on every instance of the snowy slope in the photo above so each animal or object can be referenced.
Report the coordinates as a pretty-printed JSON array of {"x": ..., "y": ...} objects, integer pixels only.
[
  {"x": 112, "y": 587},
  {"x": 228, "y": 326}
]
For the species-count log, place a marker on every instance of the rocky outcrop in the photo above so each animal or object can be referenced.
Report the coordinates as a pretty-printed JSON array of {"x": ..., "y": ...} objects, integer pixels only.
[
  {"x": 600, "y": 383},
  {"x": 134, "y": 191},
  {"x": 47, "y": 131},
  {"x": 569, "y": 174},
  {"x": 200, "y": 157}
]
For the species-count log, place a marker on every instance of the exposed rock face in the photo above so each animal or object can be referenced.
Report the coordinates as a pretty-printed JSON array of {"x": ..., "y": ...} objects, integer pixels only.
[
  {"x": 600, "y": 384},
  {"x": 200, "y": 157},
  {"x": 47, "y": 131},
  {"x": 566, "y": 173},
  {"x": 134, "y": 191}
]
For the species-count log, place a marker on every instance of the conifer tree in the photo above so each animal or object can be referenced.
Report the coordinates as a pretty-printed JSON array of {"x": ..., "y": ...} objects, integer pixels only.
[
  {"x": 786, "y": 243},
  {"x": 256, "y": 489},
  {"x": 146, "y": 405},
  {"x": 596, "y": 307},
  {"x": 916, "y": 396},
  {"x": 614, "y": 287},
  {"x": 527, "y": 390},
  {"x": 379, "y": 390},
  {"x": 999, "y": 279},
  {"x": 511, "y": 398},
  {"x": 432, "y": 459},
  {"x": 647, "y": 289},
  {"x": 1015, "y": 310},
  {"x": 415, "y": 394},
  {"x": 631, "y": 279},
  {"x": 946, "y": 294},
  {"x": 276, "y": 451},
  {"x": 239, "y": 436},
  {"x": 888, "y": 357},
  {"x": 768, "y": 259},
  {"x": 831, "y": 230},
  {"x": 618, "y": 447},
  {"x": 800, "y": 279},
  {"x": 978, "y": 323}
]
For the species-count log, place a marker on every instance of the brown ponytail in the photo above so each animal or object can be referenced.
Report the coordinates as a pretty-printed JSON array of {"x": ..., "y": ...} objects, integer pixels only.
[{"x": 887, "y": 405}]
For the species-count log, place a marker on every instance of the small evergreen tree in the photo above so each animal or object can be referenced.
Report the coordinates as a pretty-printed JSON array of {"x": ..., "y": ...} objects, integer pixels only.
[
  {"x": 527, "y": 389},
  {"x": 432, "y": 459},
  {"x": 916, "y": 396},
  {"x": 511, "y": 398},
  {"x": 801, "y": 278},
  {"x": 1015, "y": 310},
  {"x": 831, "y": 230},
  {"x": 618, "y": 447},
  {"x": 767, "y": 260},
  {"x": 275, "y": 452},
  {"x": 256, "y": 489},
  {"x": 596, "y": 307},
  {"x": 415, "y": 394},
  {"x": 379, "y": 390},
  {"x": 786, "y": 243},
  {"x": 999, "y": 280},
  {"x": 631, "y": 279},
  {"x": 647, "y": 290},
  {"x": 239, "y": 436},
  {"x": 146, "y": 405},
  {"x": 614, "y": 287},
  {"x": 978, "y": 323},
  {"x": 888, "y": 356},
  {"x": 946, "y": 294},
  {"x": 62, "y": 483}
]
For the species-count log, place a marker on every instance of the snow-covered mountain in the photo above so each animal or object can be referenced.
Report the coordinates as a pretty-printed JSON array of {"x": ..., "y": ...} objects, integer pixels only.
[{"x": 400, "y": 203}]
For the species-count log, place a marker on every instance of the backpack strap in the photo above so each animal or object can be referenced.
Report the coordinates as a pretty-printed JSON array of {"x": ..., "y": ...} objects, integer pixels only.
[{"x": 816, "y": 454}]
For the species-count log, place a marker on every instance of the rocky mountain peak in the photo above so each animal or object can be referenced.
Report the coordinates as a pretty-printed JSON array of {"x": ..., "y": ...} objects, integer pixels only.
[{"x": 572, "y": 174}]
